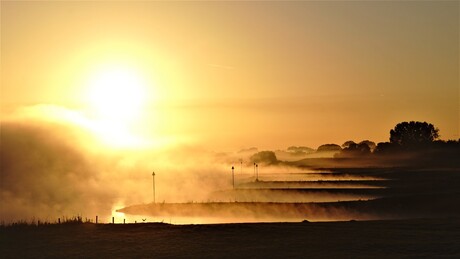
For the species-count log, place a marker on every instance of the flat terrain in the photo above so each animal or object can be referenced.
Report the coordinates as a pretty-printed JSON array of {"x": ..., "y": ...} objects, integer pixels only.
[
  {"x": 415, "y": 214},
  {"x": 393, "y": 194},
  {"x": 428, "y": 238}
]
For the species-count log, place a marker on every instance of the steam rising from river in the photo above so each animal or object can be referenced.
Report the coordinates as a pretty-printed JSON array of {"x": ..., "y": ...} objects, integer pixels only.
[{"x": 53, "y": 168}]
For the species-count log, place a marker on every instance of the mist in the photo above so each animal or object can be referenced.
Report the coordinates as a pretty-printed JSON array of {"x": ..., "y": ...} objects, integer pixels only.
[
  {"x": 247, "y": 212},
  {"x": 53, "y": 167},
  {"x": 53, "y": 164}
]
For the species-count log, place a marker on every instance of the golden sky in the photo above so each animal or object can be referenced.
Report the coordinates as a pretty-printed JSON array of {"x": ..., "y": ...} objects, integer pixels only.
[{"x": 232, "y": 75}]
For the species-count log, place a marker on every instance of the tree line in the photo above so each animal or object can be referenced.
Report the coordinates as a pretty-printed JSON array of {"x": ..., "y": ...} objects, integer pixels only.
[
  {"x": 413, "y": 136},
  {"x": 419, "y": 139}
]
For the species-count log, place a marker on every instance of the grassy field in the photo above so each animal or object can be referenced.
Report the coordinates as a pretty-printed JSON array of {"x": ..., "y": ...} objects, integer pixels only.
[
  {"x": 428, "y": 238},
  {"x": 417, "y": 216}
]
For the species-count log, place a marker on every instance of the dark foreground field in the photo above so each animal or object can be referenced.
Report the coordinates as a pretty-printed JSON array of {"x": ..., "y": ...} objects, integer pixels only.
[
  {"x": 422, "y": 203},
  {"x": 428, "y": 238}
]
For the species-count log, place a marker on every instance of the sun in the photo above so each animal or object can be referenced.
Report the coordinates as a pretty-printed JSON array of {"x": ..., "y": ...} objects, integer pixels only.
[
  {"x": 117, "y": 97},
  {"x": 117, "y": 93}
]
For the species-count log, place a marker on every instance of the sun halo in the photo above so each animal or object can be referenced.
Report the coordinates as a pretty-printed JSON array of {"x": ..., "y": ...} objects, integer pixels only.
[
  {"x": 117, "y": 94},
  {"x": 117, "y": 97}
]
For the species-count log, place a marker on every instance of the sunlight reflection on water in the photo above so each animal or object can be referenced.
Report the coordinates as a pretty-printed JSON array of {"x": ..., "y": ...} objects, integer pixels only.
[{"x": 117, "y": 217}]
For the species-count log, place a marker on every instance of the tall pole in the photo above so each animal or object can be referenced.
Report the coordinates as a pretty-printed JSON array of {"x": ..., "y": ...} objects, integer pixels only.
[
  {"x": 257, "y": 170},
  {"x": 241, "y": 168},
  {"x": 233, "y": 176},
  {"x": 254, "y": 169},
  {"x": 153, "y": 175}
]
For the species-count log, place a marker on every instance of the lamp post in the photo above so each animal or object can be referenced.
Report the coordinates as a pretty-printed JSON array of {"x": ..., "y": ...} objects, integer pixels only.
[
  {"x": 233, "y": 176},
  {"x": 153, "y": 175},
  {"x": 257, "y": 174}
]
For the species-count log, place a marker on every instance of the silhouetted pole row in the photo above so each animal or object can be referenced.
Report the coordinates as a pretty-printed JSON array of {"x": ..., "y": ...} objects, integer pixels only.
[{"x": 153, "y": 175}]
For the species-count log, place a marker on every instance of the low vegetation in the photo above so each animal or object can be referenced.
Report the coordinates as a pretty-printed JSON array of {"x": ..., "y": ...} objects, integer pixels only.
[{"x": 75, "y": 220}]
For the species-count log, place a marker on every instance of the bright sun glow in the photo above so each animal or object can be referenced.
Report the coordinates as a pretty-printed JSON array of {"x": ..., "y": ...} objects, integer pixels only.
[
  {"x": 117, "y": 93},
  {"x": 117, "y": 96}
]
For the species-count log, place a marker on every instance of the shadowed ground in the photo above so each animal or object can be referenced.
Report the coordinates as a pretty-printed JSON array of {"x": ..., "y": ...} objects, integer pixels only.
[
  {"x": 426, "y": 238},
  {"x": 424, "y": 202}
]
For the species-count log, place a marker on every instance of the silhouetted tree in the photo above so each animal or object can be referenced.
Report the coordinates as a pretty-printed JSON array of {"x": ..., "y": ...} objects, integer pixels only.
[
  {"x": 297, "y": 151},
  {"x": 386, "y": 148},
  {"x": 264, "y": 157},
  {"x": 369, "y": 143},
  {"x": 413, "y": 134},
  {"x": 329, "y": 148},
  {"x": 355, "y": 150},
  {"x": 348, "y": 143},
  {"x": 363, "y": 148},
  {"x": 300, "y": 149}
]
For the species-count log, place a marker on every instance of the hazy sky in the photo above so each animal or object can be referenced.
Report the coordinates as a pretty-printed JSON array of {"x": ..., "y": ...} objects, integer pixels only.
[{"x": 237, "y": 74}]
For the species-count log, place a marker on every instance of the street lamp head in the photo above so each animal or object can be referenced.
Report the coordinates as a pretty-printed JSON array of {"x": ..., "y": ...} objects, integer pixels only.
[{"x": 153, "y": 173}]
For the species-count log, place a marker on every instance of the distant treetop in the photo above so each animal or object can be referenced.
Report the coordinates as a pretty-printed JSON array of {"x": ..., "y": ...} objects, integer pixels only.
[
  {"x": 300, "y": 149},
  {"x": 264, "y": 157},
  {"x": 328, "y": 148},
  {"x": 348, "y": 143},
  {"x": 413, "y": 134}
]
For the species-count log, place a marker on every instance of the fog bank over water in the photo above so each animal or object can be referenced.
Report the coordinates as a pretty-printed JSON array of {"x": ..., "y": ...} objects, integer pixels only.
[
  {"x": 54, "y": 164},
  {"x": 52, "y": 168}
]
